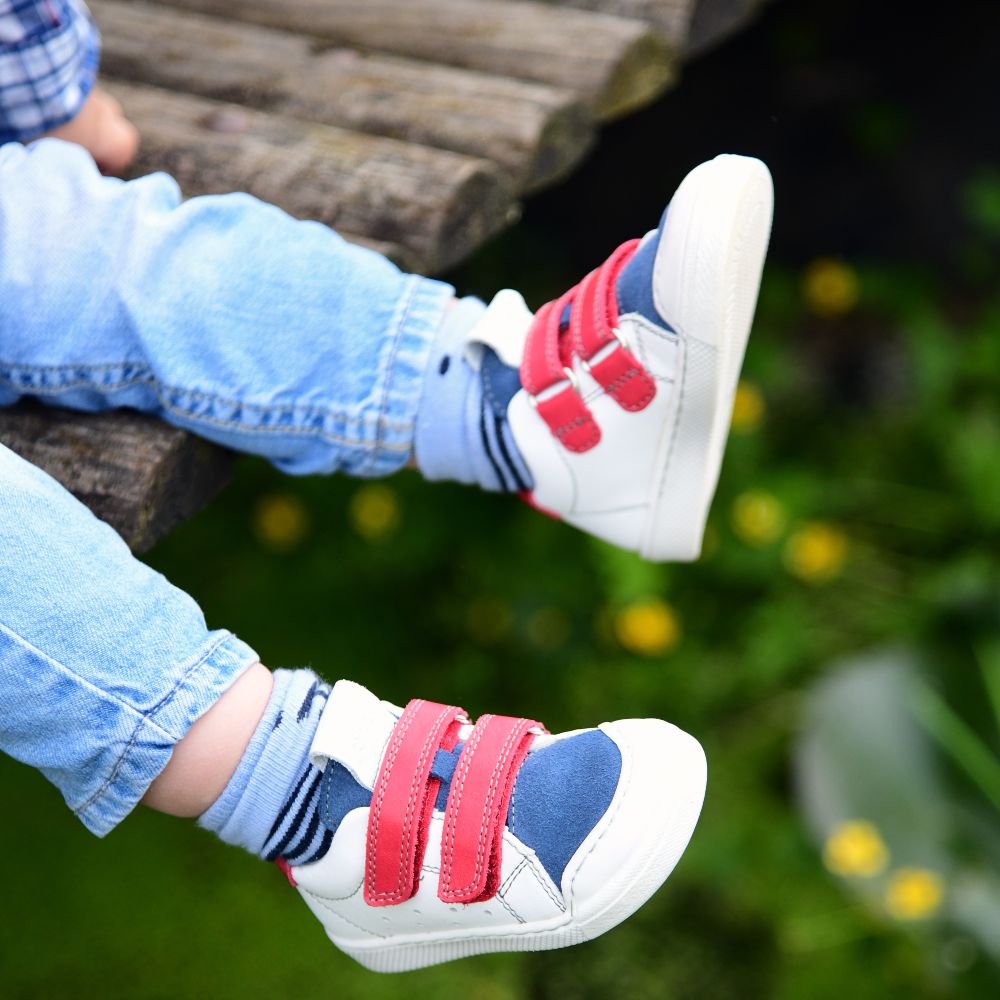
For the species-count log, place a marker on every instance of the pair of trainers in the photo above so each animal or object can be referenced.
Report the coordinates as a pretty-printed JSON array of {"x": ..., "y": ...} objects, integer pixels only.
[{"x": 451, "y": 839}]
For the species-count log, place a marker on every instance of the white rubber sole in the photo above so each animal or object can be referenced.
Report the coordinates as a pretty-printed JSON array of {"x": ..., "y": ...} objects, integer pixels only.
[
  {"x": 624, "y": 860},
  {"x": 705, "y": 282}
]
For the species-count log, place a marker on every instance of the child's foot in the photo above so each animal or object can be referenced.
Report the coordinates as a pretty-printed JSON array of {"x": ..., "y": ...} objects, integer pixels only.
[
  {"x": 623, "y": 417},
  {"x": 451, "y": 840},
  {"x": 618, "y": 420}
]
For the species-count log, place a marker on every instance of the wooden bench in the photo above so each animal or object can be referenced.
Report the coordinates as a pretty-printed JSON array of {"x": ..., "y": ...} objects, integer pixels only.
[{"x": 411, "y": 126}]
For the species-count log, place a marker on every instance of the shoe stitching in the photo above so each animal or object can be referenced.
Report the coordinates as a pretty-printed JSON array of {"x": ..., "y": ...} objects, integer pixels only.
[
  {"x": 451, "y": 814},
  {"x": 565, "y": 429},
  {"x": 395, "y": 742},
  {"x": 514, "y": 737},
  {"x": 411, "y": 804},
  {"x": 545, "y": 886},
  {"x": 607, "y": 826},
  {"x": 146, "y": 377},
  {"x": 323, "y": 902},
  {"x": 390, "y": 371},
  {"x": 510, "y": 878},
  {"x": 510, "y": 909},
  {"x": 681, "y": 398},
  {"x": 616, "y": 385}
]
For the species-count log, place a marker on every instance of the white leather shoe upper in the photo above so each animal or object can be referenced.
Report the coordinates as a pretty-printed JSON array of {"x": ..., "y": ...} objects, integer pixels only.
[
  {"x": 648, "y": 483},
  {"x": 619, "y": 864}
]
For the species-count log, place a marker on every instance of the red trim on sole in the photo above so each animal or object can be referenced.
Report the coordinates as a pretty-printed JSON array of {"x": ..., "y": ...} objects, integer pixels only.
[
  {"x": 529, "y": 498},
  {"x": 287, "y": 870}
]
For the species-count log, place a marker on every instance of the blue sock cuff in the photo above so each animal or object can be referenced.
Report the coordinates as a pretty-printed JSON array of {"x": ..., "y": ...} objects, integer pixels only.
[
  {"x": 459, "y": 435},
  {"x": 275, "y": 760},
  {"x": 451, "y": 393}
]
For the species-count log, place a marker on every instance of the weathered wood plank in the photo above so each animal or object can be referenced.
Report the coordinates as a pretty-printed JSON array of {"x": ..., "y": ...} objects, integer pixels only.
[
  {"x": 436, "y": 204},
  {"x": 138, "y": 474},
  {"x": 537, "y": 133},
  {"x": 616, "y": 64},
  {"x": 672, "y": 17}
]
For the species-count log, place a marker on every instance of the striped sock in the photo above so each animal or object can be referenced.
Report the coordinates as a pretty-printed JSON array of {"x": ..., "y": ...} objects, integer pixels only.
[
  {"x": 271, "y": 804},
  {"x": 462, "y": 431}
]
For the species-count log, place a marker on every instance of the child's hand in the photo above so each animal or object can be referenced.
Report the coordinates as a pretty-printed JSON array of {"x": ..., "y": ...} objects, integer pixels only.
[{"x": 104, "y": 131}]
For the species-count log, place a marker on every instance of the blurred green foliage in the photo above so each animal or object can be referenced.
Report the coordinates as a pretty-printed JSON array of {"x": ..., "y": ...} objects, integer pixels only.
[{"x": 859, "y": 507}]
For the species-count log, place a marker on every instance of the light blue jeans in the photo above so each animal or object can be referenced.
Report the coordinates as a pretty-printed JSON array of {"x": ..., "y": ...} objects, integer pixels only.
[{"x": 221, "y": 315}]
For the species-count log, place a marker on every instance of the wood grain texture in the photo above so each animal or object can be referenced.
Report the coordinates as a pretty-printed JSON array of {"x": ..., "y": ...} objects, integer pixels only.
[
  {"x": 672, "y": 17},
  {"x": 438, "y": 205},
  {"x": 138, "y": 474},
  {"x": 615, "y": 64},
  {"x": 536, "y": 133}
]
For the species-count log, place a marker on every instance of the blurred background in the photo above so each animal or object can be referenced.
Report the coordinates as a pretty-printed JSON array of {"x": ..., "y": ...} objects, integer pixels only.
[{"x": 836, "y": 649}]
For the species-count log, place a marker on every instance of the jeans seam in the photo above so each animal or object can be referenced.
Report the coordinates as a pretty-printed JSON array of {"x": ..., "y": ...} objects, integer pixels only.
[
  {"x": 149, "y": 377},
  {"x": 161, "y": 388},
  {"x": 147, "y": 717},
  {"x": 379, "y": 445}
]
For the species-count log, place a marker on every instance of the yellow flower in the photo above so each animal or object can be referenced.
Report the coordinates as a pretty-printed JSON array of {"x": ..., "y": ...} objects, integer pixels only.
[
  {"x": 748, "y": 408},
  {"x": 374, "y": 512},
  {"x": 855, "y": 848},
  {"x": 758, "y": 517},
  {"x": 488, "y": 619},
  {"x": 649, "y": 627},
  {"x": 549, "y": 628},
  {"x": 830, "y": 287},
  {"x": 280, "y": 521},
  {"x": 914, "y": 893},
  {"x": 816, "y": 552}
]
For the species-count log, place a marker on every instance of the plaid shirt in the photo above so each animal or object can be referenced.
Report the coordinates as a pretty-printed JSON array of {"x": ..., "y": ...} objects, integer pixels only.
[{"x": 49, "y": 50}]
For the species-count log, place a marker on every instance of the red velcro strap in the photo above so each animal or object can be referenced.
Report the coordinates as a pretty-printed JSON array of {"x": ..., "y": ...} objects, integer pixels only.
[
  {"x": 476, "y": 813},
  {"x": 569, "y": 420},
  {"x": 624, "y": 379},
  {"x": 403, "y": 800},
  {"x": 542, "y": 366}
]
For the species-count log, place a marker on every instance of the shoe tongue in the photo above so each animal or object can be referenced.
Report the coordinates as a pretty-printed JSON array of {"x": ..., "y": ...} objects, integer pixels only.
[{"x": 353, "y": 731}]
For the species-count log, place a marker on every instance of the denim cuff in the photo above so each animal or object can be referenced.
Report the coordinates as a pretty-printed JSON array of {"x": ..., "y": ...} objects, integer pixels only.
[
  {"x": 200, "y": 683},
  {"x": 419, "y": 315}
]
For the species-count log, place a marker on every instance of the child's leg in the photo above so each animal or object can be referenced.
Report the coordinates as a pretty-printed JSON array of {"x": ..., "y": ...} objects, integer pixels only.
[
  {"x": 222, "y": 315},
  {"x": 414, "y": 836},
  {"x": 609, "y": 408},
  {"x": 104, "y": 666}
]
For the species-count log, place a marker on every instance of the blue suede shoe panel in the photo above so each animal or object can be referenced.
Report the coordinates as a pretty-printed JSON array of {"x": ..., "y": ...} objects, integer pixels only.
[
  {"x": 560, "y": 794},
  {"x": 500, "y": 382},
  {"x": 340, "y": 792},
  {"x": 635, "y": 283}
]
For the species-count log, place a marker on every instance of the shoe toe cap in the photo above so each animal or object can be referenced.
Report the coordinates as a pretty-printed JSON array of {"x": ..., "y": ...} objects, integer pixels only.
[{"x": 646, "y": 828}]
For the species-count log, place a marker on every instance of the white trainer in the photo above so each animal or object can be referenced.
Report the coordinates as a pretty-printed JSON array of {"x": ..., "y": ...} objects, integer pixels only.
[
  {"x": 451, "y": 840},
  {"x": 628, "y": 380}
]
